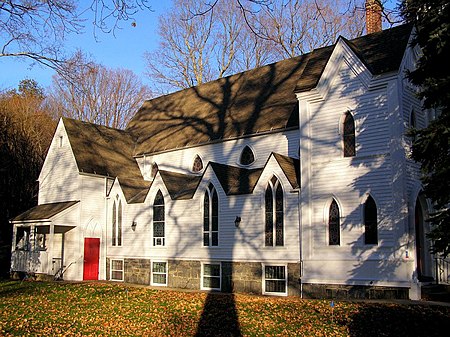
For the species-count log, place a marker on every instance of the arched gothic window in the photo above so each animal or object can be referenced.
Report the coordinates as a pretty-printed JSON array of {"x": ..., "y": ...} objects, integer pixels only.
[
  {"x": 274, "y": 229},
  {"x": 197, "y": 166},
  {"x": 117, "y": 222},
  {"x": 158, "y": 220},
  {"x": 349, "y": 136},
  {"x": 370, "y": 222},
  {"x": 334, "y": 225},
  {"x": 211, "y": 217},
  {"x": 247, "y": 156}
]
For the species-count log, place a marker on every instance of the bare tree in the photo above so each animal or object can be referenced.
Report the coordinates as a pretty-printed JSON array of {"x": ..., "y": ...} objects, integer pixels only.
[
  {"x": 36, "y": 29},
  {"x": 97, "y": 94},
  {"x": 204, "y": 40}
]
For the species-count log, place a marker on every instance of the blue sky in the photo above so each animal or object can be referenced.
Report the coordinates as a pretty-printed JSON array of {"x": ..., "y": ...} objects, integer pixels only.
[{"x": 126, "y": 49}]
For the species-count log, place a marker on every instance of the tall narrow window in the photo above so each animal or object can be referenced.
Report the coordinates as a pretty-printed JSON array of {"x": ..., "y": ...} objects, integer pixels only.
[
  {"x": 158, "y": 220},
  {"x": 370, "y": 222},
  {"x": 349, "y": 136},
  {"x": 197, "y": 166},
  {"x": 274, "y": 228},
  {"x": 211, "y": 217},
  {"x": 334, "y": 224},
  {"x": 114, "y": 224},
  {"x": 117, "y": 222},
  {"x": 247, "y": 156}
]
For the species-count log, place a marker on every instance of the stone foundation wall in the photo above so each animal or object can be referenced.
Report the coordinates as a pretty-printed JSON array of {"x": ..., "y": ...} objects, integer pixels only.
[
  {"x": 243, "y": 277},
  {"x": 293, "y": 281},
  {"x": 341, "y": 292},
  {"x": 137, "y": 271},
  {"x": 184, "y": 274}
]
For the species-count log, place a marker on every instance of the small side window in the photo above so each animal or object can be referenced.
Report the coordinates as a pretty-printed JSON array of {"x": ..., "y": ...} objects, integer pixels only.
[
  {"x": 247, "y": 156},
  {"x": 197, "y": 166}
]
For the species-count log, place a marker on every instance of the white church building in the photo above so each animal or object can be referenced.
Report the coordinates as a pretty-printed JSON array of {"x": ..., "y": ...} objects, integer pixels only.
[{"x": 290, "y": 179}]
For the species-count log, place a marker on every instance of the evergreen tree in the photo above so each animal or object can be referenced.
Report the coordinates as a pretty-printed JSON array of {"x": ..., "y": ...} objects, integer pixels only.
[{"x": 431, "y": 147}]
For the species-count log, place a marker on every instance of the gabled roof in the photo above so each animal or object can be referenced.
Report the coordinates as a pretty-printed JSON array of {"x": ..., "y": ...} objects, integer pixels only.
[
  {"x": 102, "y": 150},
  {"x": 290, "y": 167},
  {"x": 44, "y": 211},
  {"x": 180, "y": 186},
  {"x": 381, "y": 52},
  {"x": 108, "y": 152},
  {"x": 236, "y": 180},
  {"x": 251, "y": 102},
  {"x": 134, "y": 190},
  {"x": 254, "y": 101}
]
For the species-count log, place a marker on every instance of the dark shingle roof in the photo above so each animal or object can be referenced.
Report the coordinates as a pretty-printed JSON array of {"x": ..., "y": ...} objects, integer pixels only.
[
  {"x": 381, "y": 52},
  {"x": 44, "y": 211},
  {"x": 258, "y": 100},
  {"x": 251, "y": 102},
  {"x": 290, "y": 167},
  {"x": 235, "y": 180},
  {"x": 106, "y": 151},
  {"x": 255, "y": 101},
  {"x": 180, "y": 186}
]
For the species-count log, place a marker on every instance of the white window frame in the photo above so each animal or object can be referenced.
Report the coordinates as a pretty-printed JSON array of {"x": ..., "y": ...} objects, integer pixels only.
[
  {"x": 264, "y": 265},
  {"x": 203, "y": 287},
  {"x": 159, "y": 241},
  {"x": 111, "y": 263},
  {"x": 159, "y": 273},
  {"x": 210, "y": 232}
]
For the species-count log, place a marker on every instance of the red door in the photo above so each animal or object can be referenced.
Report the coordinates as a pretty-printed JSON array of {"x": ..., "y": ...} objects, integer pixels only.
[{"x": 91, "y": 258}]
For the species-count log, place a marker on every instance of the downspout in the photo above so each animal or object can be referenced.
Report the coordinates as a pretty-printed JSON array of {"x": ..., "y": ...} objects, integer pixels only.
[
  {"x": 300, "y": 241},
  {"x": 105, "y": 228}
]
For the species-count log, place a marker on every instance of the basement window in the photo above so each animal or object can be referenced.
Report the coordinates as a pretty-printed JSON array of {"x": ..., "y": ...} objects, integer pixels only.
[{"x": 116, "y": 270}]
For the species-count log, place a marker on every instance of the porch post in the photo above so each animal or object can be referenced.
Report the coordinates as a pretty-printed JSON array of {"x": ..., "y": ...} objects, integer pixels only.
[
  {"x": 14, "y": 236},
  {"x": 51, "y": 236}
]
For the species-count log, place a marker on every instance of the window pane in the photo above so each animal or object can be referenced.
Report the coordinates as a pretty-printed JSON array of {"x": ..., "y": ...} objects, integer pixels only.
[
  {"x": 117, "y": 264},
  {"x": 334, "y": 224},
  {"x": 159, "y": 267},
  {"x": 206, "y": 212},
  {"x": 114, "y": 224},
  {"x": 119, "y": 224},
  {"x": 117, "y": 275},
  {"x": 158, "y": 229},
  {"x": 349, "y": 136},
  {"x": 279, "y": 217},
  {"x": 269, "y": 217},
  {"x": 159, "y": 278},
  {"x": 215, "y": 223},
  {"x": 211, "y": 282},
  {"x": 215, "y": 204},
  {"x": 247, "y": 156},
  {"x": 159, "y": 199},
  {"x": 370, "y": 222},
  {"x": 275, "y": 286},
  {"x": 211, "y": 269},
  {"x": 158, "y": 213},
  {"x": 198, "y": 164},
  {"x": 205, "y": 239},
  {"x": 215, "y": 239}
]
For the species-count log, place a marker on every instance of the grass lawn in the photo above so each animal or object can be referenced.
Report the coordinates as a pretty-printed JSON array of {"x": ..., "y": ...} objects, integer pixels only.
[{"x": 106, "y": 309}]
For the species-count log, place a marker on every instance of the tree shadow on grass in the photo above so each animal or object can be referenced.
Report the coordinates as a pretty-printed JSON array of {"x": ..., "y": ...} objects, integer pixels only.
[
  {"x": 398, "y": 320},
  {"x": 219, "y": 316}
]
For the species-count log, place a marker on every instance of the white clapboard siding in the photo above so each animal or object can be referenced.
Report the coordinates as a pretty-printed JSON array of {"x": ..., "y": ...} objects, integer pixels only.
[
  {"x": 349, "y": 181},
  {"x": 59, "y": 179},
  {"x": 184, "y": 225},
  {"x": 226, "y": 152}
]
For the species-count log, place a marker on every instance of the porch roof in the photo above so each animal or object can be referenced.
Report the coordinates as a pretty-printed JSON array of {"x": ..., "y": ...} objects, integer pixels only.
[{"x": 44, "y": 211}]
